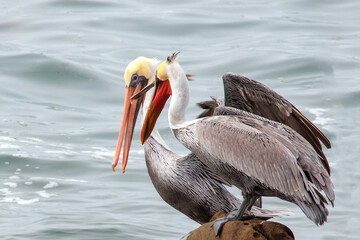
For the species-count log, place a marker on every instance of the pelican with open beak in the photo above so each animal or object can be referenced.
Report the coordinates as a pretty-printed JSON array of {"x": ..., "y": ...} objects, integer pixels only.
[{"x": 137, "y": 75}]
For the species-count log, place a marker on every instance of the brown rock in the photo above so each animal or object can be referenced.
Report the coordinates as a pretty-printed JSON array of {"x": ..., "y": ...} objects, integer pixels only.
[{"x": 253, "y": 229}]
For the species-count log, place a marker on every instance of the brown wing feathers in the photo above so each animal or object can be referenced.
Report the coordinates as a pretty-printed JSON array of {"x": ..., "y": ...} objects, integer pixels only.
[{"x": 249, "y": 95}]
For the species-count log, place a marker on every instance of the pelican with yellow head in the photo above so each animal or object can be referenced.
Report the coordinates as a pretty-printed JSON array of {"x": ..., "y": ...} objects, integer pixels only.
[
  {"x": 137, "y": 75},
  {"x": 184, "y": 182}
]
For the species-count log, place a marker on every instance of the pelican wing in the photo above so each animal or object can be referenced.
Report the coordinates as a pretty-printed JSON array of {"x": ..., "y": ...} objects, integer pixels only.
[
  {"x": 195, "y": 167},
  {"x": 305, "y": 155},
  {"x": 206, "y": 186},
  {"x": 255, "y": 154},
  {"x": 254, "y": 97}
]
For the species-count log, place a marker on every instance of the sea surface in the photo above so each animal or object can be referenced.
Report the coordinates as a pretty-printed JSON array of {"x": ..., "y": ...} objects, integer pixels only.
[{"x": 62, "y": 91}]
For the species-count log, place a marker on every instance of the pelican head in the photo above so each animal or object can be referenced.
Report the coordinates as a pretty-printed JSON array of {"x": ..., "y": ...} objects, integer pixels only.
[
  {"x": 161, "y": 95},
  {"x": 137, "y": 75}
]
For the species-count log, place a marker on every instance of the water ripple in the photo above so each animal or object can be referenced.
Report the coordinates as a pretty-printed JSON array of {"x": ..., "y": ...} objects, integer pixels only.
[{"x": 62, "y": 88}]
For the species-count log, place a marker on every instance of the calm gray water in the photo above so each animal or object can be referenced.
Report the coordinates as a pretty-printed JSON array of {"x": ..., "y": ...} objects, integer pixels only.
[{"x": 62, "y": 89}]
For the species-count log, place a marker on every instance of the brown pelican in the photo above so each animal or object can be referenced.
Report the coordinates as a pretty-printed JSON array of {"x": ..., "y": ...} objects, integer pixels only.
[
  {"x": 185, "y": 183},
  {"x": 259, "y": 156}
]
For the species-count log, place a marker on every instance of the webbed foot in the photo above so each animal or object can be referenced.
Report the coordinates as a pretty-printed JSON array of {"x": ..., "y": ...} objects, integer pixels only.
[{"x": 219, "y": 223}]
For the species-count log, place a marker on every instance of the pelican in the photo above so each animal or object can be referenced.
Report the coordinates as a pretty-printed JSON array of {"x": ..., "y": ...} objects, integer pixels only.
[
  {"x": 259, "y": 156},
  {"x": 184, "y": 182}
]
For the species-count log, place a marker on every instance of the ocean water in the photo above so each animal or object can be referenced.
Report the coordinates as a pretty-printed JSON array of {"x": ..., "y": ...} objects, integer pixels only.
[{"x": 62, "y": 89}]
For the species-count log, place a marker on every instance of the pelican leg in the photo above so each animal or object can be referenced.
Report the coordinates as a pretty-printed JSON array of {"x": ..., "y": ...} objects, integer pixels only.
[
  {"x": 248, "y": 202},
  {"x": 258, "y": 202}
]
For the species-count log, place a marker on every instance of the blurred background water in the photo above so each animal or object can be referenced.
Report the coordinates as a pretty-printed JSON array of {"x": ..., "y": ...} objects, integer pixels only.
[{"x": 62, "y": 89}]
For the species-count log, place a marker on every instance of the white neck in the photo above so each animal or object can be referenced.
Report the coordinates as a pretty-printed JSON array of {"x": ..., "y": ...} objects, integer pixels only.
[{"x": 180, "y": 95}]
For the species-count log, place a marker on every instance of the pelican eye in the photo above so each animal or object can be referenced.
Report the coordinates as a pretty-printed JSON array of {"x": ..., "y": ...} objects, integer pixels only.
[{"x": 134, "y": 77}]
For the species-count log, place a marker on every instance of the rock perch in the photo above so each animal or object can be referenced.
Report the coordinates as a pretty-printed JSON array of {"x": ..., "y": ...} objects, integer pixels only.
[{"x": 253, "y": 229}]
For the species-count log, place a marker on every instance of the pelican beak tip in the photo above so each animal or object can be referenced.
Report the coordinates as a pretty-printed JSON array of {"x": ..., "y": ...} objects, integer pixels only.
[
  {"x": 113, "y": 168},
  {"x": 143, "y": 139}
]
